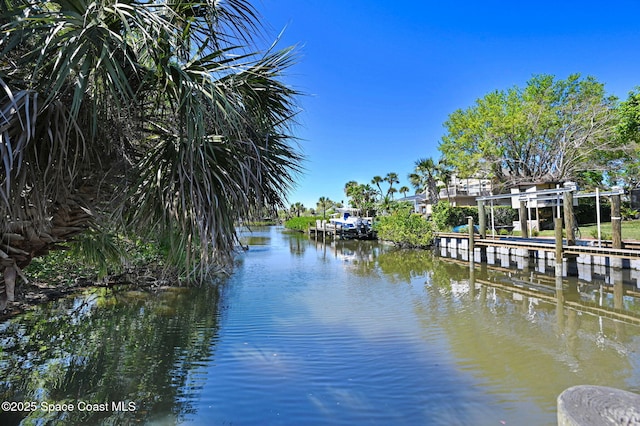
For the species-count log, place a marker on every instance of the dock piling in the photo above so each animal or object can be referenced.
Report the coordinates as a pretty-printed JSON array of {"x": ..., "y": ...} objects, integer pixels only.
[
  {"x": 471, "y": 239},
  {"x": 557, "y": 226},
  {"x": 482, "y": 219},
  {"x": 616, "y": 228}
]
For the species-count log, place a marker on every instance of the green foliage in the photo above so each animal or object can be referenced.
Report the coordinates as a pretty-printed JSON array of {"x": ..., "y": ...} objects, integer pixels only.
[
  {"x": 362, "y": 197},
  {"x": 628, "y": 213},
  {"x": 180, "y": 95},
  {"x": 446, "y": 216},
  {"x": 426, "y": 175},
  {"x": 100, "y": 250},
  {"x": 603, "y": 235},
  {"x": 95, "y": 256},
  {"x": 629, "y": 133},
  {"x": 503, "y": 215},
  {"x": 548, "y": 130},
  {"x": 324, "y": 204},
  {"x": 405, "y": 229},
  {"x": 59, "y": 268},
  {"x": 585, "y": 211},
  {"x": 301, "y": 223}
]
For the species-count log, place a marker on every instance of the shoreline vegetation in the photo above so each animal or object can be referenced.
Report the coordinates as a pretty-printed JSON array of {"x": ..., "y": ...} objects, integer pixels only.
[
  {"x": 64, "y": 273},
  {"x": 405, "y": 229},
  {"x": 85, "y": 171},
  {"x": 125, "y": 133}
]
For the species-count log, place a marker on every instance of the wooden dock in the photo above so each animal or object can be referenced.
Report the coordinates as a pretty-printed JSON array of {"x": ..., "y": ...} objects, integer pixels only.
[
  {"x": 585, "y": 251},
  {"x": 324, "y": 229},
  {"x": 631, "y": 250}
]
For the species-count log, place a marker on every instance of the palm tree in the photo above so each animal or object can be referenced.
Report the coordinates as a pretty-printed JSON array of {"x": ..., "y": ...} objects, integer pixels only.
[
  {"x": 392, "y": 191},
  {"x": 154, "y": 119},
  {"x": 392, "y": 178},
  {"x": 425, "y": 178},
  {"x": 445, "y": 174},
  {"x": 376, "y": 181},
  {"x": 298, "y": 208},
  {"x": 361, "y": 196},
  {"x": 403, "y": 190},
  {"x": 324, "y": 203}
]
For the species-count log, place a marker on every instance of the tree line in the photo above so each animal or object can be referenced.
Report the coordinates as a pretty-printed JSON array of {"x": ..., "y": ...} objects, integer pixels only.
[{"x": 550, "y": 130}]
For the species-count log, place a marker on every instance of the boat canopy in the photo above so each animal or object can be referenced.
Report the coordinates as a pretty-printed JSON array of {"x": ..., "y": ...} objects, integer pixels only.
[{"x": 349, "y": 210}]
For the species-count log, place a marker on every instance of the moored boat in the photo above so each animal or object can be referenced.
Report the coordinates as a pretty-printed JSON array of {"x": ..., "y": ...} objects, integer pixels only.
[{"x": 351, "y": 224}]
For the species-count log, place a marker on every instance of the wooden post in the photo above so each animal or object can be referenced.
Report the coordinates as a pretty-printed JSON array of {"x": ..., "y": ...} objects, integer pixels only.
[
  {"x": 616, "y": 230},
  {"x": 482, "y": 219},
  {"x": 557, "y": 225},
  {"x": 524, "y": 226},
  {"x": 570, "y": 226},
  {"x": 472, "y": 280},
  {"x": 559, "y": 304},
  {"x": 616, "y": 222},
  {"x": 471, "y": 241},
  {"x": 569, "y": 222}
]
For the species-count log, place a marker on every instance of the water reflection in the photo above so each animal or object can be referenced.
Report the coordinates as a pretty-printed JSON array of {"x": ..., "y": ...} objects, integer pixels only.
[
  {"x": 109, "y": 347},
  {"x": 505, "y": 314},
  {"x": 551, "y": 323},
  {"x": 344, "y": 332}
]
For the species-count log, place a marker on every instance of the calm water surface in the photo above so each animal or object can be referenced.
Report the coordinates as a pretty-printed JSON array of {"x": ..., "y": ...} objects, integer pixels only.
[{"x": 339, "y": 333}]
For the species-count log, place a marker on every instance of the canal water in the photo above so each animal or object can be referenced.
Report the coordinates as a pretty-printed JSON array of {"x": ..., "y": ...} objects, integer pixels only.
[{"x": 311, "y": 333}]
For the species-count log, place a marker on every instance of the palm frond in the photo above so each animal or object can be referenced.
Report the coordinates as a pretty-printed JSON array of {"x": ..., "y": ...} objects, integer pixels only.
[{"x": 166, "y": 107}]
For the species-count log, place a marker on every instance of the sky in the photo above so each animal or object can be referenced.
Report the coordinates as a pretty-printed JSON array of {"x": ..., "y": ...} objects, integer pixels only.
[{"x": 380, "y": 78}]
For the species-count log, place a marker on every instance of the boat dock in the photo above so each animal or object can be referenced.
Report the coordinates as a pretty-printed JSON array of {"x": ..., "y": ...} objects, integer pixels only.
[
  {"x": 324, "y": 229},
  {"x": 578, "y": 259}
]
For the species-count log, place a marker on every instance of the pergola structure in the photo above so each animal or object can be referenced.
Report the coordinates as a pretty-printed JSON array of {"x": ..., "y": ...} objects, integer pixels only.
[{"x": 562, "y": 196}]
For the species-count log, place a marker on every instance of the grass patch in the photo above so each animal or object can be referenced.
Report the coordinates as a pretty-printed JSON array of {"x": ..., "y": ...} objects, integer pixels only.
[
  {"x": 630, "y": 230},
  {"x": 301, "y": 223}
]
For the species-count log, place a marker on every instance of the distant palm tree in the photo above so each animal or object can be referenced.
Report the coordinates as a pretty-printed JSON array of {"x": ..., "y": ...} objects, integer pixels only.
[
  {"x": 445, "y": 174},
  {"x": 391, "y": 178},
  {"x": 376, "y": 181},
  {"x": 161, "y": 116},
  {"x": 392, "y": 191},
  {"x": 425, "y": 178},
  {"x": 298, "y": 208},
  {"x": 403, "y": 190},
  {"x": 324, "y": 203}
]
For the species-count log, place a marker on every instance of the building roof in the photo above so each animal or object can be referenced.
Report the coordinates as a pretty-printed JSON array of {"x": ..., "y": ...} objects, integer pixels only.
[{"x": 413, "y": 198}]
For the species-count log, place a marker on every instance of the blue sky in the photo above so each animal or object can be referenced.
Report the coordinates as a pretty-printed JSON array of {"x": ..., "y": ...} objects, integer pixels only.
[{"x": 381, "y": 77}]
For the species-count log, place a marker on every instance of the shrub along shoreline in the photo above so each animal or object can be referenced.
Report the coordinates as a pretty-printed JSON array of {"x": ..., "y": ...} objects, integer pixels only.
[{"x": 140, "y": 266}]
